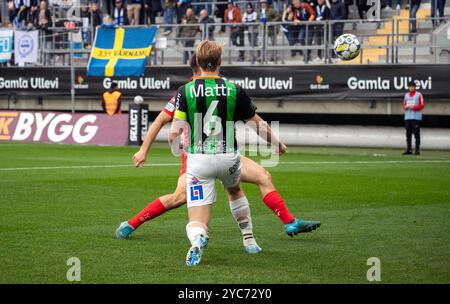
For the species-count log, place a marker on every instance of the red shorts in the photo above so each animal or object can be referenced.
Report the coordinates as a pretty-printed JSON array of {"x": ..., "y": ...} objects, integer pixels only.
[{"x": 183, "y": 164}]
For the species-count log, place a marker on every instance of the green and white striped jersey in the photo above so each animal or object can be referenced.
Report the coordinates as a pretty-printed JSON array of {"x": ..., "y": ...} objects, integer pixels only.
[{"x": 211, "y": 106}]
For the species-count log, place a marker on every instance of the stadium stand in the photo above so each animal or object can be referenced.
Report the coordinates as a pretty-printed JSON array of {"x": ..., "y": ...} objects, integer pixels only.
[{"x": 386, "y": 40}]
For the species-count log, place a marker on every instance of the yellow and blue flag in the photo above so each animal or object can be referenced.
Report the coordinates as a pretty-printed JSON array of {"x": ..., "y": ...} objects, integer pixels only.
[{"x": 121, "y": 51}]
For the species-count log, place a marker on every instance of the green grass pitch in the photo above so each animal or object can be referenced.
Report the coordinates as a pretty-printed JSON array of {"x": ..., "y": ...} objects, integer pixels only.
[{"x": 372, "y": 203}]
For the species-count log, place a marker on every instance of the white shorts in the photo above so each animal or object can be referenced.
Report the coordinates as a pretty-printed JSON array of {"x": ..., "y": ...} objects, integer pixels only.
[{"x": 203, "y": 170}]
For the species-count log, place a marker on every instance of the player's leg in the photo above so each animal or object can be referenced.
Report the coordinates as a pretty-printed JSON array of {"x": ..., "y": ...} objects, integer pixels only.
[
  {"x": 201, "y": 193},
  {"x": 408, "y": 127},
  {"x": 229, "y": 174},
  {"x": 156, "y": 208},
  {"x": 240, "y": 209},
  {"x": 255, "y": 174},
  {"x": 416, "y": 131}
]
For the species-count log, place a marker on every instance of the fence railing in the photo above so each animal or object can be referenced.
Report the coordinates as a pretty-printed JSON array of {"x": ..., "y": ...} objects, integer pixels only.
[{"x": 382, "y": 41}]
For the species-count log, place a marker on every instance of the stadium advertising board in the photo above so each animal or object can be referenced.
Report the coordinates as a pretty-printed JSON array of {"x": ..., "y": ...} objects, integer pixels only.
[
  {"x": 54, "y": 127},
  {"x": 336, "y": 82}
]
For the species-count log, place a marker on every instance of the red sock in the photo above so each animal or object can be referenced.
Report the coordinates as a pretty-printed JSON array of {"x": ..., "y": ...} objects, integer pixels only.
[
  {"x": 154, "y": 209},
  {"x": 274, "y": 201}
]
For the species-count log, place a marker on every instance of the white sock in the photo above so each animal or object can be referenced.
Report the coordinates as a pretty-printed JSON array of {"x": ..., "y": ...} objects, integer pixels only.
[
  {"x": 194, "y": 230},
  {"x": 241, "y": 212}
]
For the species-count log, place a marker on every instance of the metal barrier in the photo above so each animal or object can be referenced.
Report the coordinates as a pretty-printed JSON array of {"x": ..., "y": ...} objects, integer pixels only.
[{"x": 419, "y": 36}]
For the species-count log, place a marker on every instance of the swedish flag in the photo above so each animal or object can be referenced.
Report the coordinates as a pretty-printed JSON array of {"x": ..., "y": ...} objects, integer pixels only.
[{"x": 121, "y": 51}]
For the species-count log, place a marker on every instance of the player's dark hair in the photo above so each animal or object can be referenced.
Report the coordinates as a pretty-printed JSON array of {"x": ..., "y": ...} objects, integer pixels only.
[
  {"x": 114, "y": 85},
  {"x": 193, "y": 64},
  {"x": 411, "y": 84}
]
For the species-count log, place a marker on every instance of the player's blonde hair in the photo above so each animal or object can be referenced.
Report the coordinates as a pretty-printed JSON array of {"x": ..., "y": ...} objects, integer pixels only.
[{"x": 209, "y": 55}]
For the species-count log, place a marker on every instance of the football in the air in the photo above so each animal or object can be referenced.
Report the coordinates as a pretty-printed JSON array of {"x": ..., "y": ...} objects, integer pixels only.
[
  {"x": 138, "y": 99},
  {"x": 347, "y": 47}
]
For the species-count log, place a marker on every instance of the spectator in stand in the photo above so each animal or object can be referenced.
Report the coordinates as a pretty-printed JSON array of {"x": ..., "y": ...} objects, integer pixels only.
[
  {"x": 120, "y": 15},
  {"x": 300, "y": 12},
  {"x": 134, "y": 11},
  {"x": 199, "y": 7},
  {"x": 182, "y": 6},
  {"x": 347, "y": 4},
  {"x": 322, "y": 14},
  {"x": 389, "y": 5},
  {"x": 362, "y": 7},
  {"x": 86, "y": 25},
  {"x": 233, "y": 16},
  {"x": 151, "y": 10},
  {"x": 24, "y": 11},
  {"x": 169, "y": 9},
  {"x": 96, "y": 15},
  {"x": 109, "y": 6},
  {"x": 188, "y": 33},
  {"x": 220, "y": 13},
  {"x": 311, "y": 3},
  {"x": 440, "y": 6},
  {"x": 44, "y": 21},
  {"x": 112, "y": 100},
  {"x": 250, "y": 19},
  {"x": 281, "y": 5},
  {"x": 337, "y": 12},
  {"x": 207, "y": 23},
  {"x": 414, "y": 7},
  {"x": 14, "y": 12},
  {"x": 413, "y": 105},
  {"x": 268, "y": 14},
  {"x": 32, "y": 15},
  {"x": 108, "y": 22}
]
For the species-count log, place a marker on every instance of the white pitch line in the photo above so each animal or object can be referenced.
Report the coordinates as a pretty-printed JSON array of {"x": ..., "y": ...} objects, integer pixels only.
[
  {"x": 438, "y": 161},
  {"x": 280, "y": 163},
  {"x": 83, "y": 167}
]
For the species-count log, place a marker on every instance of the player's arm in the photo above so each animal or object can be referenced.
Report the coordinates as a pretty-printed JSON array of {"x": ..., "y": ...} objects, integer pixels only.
[
  {"x": 421, "y": 105},
  {"x": 265, "y": 131},
  {"x": 180, "y": 117},
  {"x": 247, "y": 110},
  {"x": 141, "y": 156},
  {"x": 312, "y": 13},
  {"x": 119, "y": 104}
]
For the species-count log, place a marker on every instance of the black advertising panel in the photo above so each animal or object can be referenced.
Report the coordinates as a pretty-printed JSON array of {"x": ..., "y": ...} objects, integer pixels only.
[{"x": 334, "y": 82}]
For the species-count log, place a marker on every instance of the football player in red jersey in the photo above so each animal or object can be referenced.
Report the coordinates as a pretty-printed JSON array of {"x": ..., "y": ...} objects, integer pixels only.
[{"x": 251, "y": 173}]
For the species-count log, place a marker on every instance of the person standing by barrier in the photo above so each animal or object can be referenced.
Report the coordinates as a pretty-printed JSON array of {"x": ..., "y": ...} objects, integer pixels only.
[
  {"x": 112, "y": 100},
  {"x": 268, "y": 14},
  {"x": 233, "y": 15},
  {"x": 169, "y": 9},
  {"x": 207, "y": 25},
  {"x": 182, "y": 7},
  {"x": 322, "y": 14},
  {"x": 337, "y": 12},
  {"x": 188, "y": 33},
  {"x": 134, "y": 11},
  {"x": 120, "y": 15},
  {"x": 302, "y": 12},
  {"x": 250, "y": 19},
  {"x": 413, "y": 105},
  {"x": 414, "y": 7},
  {"x": 44, "y": 22},
  {"x": 440, "y": 6},
  {"x": 151, "y": 9}
]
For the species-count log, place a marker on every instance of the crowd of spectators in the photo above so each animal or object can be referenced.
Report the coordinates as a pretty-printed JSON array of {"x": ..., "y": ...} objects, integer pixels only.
[{"x": 303, "y": 19}]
